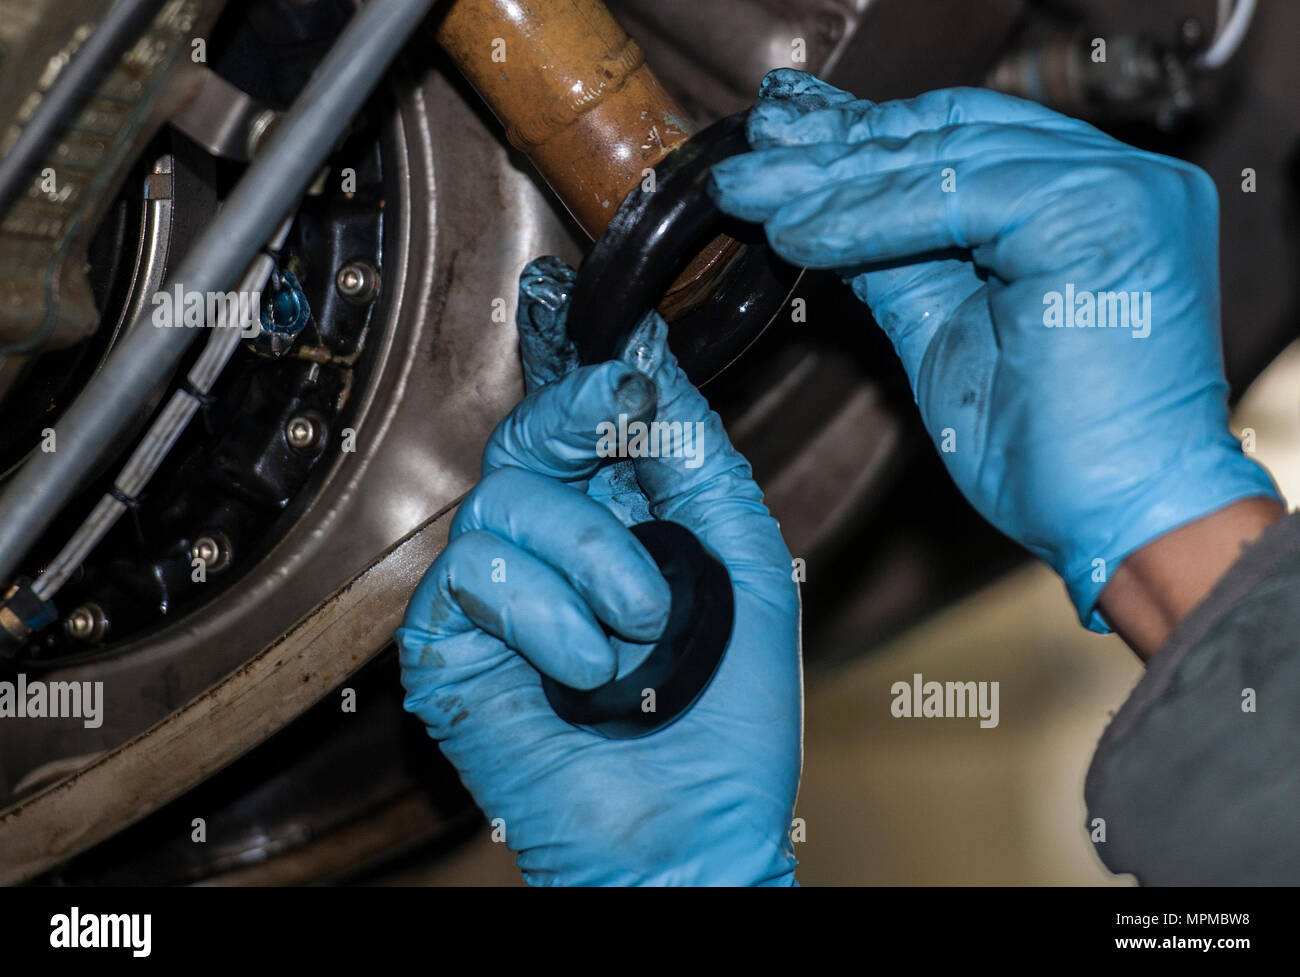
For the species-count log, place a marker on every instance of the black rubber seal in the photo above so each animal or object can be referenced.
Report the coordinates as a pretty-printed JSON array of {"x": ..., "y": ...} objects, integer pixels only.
[
  {"x": 683, "y": 661},
  {"x": 652, "y": 238}
]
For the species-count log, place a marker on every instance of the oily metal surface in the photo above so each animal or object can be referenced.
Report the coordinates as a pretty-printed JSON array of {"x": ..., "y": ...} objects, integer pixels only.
[
  {"x": 222, "y": 723},
  {"x": 463, "y": 221}
]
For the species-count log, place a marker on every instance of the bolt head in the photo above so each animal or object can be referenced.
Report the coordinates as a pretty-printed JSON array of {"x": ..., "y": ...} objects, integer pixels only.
[
  {"x": 357, "y": 281},
  {"x": 300, "y": 432},
  {"x": 213, "y": 548},
  {"x": 205, "y": 548},
  {"x": 80, "y": 623},
  {"x": 86, "y": 623},
  {"x": 351, "y": 280}
]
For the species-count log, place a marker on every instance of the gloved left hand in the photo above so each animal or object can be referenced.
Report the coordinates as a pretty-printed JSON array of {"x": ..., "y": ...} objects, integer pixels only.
[
  {"x": 539, "y": 557},
  {"x": 967, "y": 220}
]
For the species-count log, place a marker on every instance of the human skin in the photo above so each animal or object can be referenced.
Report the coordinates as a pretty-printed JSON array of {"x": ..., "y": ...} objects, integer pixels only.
[{"x": 1157, "y": 586}]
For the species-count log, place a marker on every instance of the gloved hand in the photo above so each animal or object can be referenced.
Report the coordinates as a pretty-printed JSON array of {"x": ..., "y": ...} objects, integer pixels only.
[
  {"x": 539, "y": 558},
  {"x": 972, "y": 224}
]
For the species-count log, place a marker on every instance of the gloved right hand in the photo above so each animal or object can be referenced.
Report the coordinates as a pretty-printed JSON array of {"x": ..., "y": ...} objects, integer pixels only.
[
  {"x": 707, "y": 799},
  {"x": 974, "y": 224}
]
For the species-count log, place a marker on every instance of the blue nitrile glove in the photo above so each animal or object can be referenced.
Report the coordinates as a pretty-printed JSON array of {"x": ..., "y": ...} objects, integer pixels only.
[
  {"x": 964, "y": 219},
  {"x": 538, "y": 558}
]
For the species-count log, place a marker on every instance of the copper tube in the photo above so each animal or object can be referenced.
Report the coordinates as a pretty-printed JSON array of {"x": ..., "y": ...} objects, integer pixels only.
[{"x": 575, "y": 94}]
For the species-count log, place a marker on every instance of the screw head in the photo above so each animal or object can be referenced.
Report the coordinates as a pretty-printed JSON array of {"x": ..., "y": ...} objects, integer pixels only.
[
  {"x": 301, "y": 432},
  {"x": 357, "y": 281},
  {"x": 205, "y": 548},
  {"x": 351, "y": 280},
  {"x": 87, "y": 623},
  {"x": 213, "y": 549}
]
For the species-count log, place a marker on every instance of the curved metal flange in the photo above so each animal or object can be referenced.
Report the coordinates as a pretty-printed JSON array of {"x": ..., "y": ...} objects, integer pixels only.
[
  {"x": 463, "y": 219},
  {"x": 218, "y": 727}
]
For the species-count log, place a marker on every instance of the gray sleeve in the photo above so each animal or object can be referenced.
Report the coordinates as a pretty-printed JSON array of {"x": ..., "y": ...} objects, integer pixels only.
[{"x": 1197, "y": 778}]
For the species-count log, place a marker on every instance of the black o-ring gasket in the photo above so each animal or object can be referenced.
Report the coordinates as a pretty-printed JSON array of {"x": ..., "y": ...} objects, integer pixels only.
[
  {"x": 649, "y": 242},
  {"x": 684, "y": 659}
]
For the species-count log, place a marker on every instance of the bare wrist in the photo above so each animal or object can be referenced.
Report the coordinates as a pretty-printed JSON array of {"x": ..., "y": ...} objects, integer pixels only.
[{"x": 1158, "y": 585}]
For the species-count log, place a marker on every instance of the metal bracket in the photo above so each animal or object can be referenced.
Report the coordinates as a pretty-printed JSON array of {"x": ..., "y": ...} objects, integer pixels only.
[{"x": 224, "y": 120}]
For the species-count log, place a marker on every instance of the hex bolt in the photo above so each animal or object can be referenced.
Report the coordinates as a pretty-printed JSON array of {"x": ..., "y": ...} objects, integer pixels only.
[
  {"x": 302, "y": 432},
  {"x": 86, "y": 624},
  {"x": 358, "y": 281},
  {"x": 213, "y": 549}
]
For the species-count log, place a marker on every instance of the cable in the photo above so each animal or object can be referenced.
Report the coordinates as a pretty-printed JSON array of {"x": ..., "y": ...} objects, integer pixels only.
[
  {"x": 273, "y": 182},
  {"x": 71, "y": 87},
  {"x": 1230, "y": 36},
  {"x": 166, "y": 428}
]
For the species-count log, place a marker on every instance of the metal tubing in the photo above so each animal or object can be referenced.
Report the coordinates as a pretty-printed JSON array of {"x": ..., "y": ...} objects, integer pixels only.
[{"x": 274, "y": 181}]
